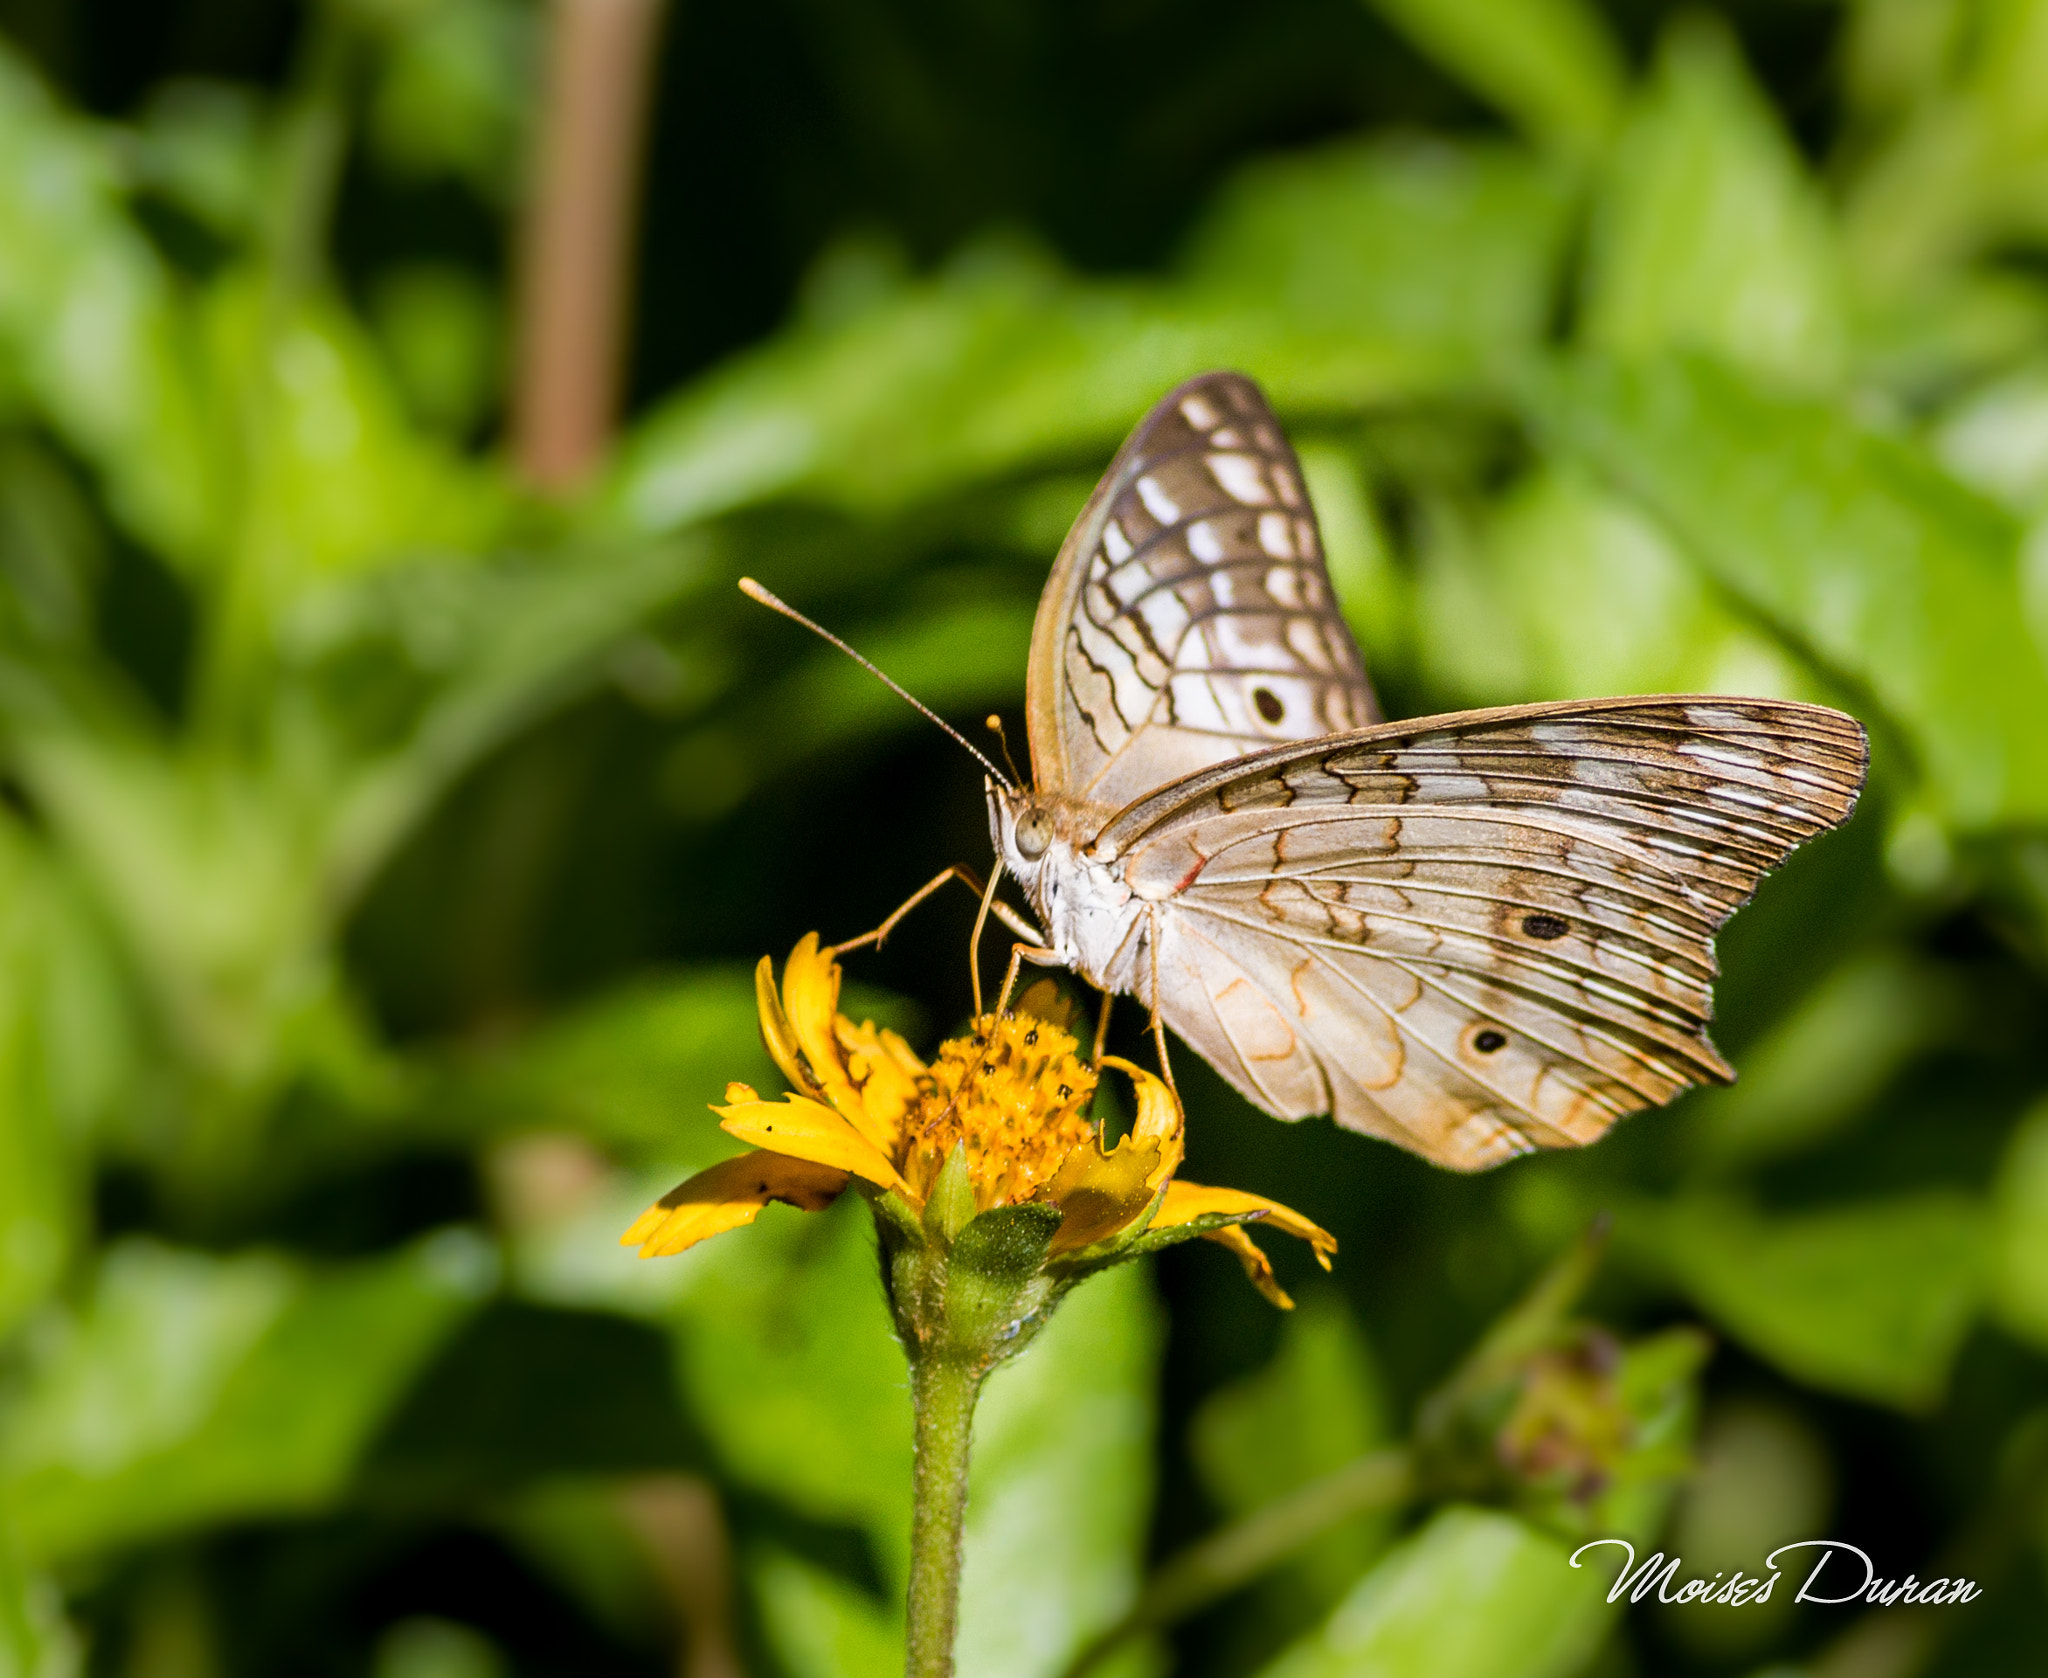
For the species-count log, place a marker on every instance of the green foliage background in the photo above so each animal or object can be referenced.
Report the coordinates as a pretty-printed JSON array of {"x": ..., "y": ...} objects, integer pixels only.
[{"x": 383, "y": 851}]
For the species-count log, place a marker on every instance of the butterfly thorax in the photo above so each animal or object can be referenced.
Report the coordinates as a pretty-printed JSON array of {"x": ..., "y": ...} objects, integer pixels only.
[{"x": 1092, "y": 919}]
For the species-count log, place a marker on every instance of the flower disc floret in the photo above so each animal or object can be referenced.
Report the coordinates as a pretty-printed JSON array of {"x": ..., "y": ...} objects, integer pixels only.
[{"x": 1014, "y": 1096}]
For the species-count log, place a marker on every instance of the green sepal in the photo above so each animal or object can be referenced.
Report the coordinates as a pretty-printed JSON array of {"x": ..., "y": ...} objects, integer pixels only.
[
  {"x": 897, "y": 1219},
  {"x": 1006, "y": 1246},
  {"x": 949, "y": 1208},
  {"x": 1141, "y": 1239}
]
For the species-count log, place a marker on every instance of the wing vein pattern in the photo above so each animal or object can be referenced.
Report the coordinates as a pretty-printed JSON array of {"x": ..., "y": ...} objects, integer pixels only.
[
  {"x": 1481, "y": 934},
  {"x": 1189, "y": 618}
]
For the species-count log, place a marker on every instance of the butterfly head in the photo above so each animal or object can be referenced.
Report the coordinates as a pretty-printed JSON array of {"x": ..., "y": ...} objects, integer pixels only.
[{"x": 1025, "y": 828}]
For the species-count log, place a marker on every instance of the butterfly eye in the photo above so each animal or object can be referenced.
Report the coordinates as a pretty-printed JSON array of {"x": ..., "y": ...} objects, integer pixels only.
[{"x": 1034, "y": 833}]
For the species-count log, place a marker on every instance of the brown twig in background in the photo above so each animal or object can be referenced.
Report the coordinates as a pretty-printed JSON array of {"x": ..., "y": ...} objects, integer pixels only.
[
  {"x": 677, "y": 1516},
  {"x": 578, "y": 235}
]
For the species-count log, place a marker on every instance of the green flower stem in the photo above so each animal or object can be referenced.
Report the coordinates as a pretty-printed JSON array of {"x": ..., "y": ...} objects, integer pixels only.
[
  {"x": 942, "y": 1391},
  {"x": 1238, "y": 1554}
]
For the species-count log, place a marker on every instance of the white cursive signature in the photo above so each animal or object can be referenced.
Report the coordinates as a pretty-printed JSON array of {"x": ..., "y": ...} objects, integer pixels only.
[{"x": 1657, "y": 1572}]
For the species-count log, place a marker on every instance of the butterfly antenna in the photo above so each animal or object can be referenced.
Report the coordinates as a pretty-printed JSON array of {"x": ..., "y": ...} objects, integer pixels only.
[
  {"x": 995, "y": 727},
  {"x": 754, "y": 591}
]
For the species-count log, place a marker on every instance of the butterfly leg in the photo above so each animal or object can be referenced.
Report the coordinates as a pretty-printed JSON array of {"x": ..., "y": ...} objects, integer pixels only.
[
  {"x": 1038, "y": 955},
  {"x": 967, "y": 877},
  {"x": 1158, "y": 1025},
  {"x": 1165, "y": 1065},
  {"x": 1102, "y": 1028}
]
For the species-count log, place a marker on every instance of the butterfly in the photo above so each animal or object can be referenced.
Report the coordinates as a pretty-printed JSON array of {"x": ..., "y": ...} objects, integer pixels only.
[{"x": 1473, "y": 935}]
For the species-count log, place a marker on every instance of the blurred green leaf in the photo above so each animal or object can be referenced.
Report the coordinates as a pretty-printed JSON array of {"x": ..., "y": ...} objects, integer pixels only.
[
  {"x": 425, "y": 1647},
  {"x": 443, "y": 332},
  {"x": 818, "y": 1624},
  {"x": 201, "y": 145},
  {"x": 580, "y": 1531},
  {"x": 52, "y": 551},
  {"x": 1343, "y": 278},
  {"x": 1761, "y": 1480},
  {"x": 1569, "y": 591},
  {"x": 1707, "y": 232},
  {"x": 454, "y": 91},
  {"x": 1472, "y": 1595},
  {"x": 788, "y": 1362},
  {"x": 190, "y": 1388},
  {"x": 1552, "y": 65},
  {"x": 1314, "y": 1407},
  {"x": 632, "y": 1070},
  {"x": 1995, "y": 438},
  {"x": 1443, "y": 247},
  {"x": 35, "y": 1642},
  {"x": 1846, "y": 540},
  {"x": 1823, "y": 1295},
  {"x": 1960, "y": 173},
  {"x": 520, "y": 1393},
  {"x": 2020, "y": 1230},
  {"x": 504, "y": 645},
  {"x": 955, "y": 656},
  {"x": 1060, "y": 1495},
  {"x": 224, "y": 871},
  {"x": 1372, "y": 589},
  {"x": 1896, "y": 52},
  {"x": 94, "y": 326},
  {"x": 210, "y": 875},
  {"x": 1968, "y": 326},
  {"x": 336, "y": 478},
  {"x": 65, "y": 1049},
  {"x": 1825, "y": 1064}
]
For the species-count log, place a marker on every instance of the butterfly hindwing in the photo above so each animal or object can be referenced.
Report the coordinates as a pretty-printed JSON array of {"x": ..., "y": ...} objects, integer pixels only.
[
  {"x": 1189, "y": 619},
  {"x": 1478, "y": 934}
]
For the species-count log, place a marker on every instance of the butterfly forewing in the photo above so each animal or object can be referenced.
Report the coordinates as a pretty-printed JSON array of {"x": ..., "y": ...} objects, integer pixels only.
[
  {"x": 1189, "y": 619},
  {"x": 1479, "y": 934}
]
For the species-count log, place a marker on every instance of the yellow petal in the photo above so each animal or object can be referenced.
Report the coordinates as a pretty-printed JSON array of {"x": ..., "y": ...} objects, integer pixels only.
[
  {"x": 884, "y": 1074},
  {"x": 775, "y": 1032},
  {"x": 805, "y": 1129},
  {"x": 810, "y": 993},
  {"x": 1158, "y": 1112},
  {"x": 1257, "y": 1267},
  {"x": 1101, "y": 1194},
  {"x": 1159, "y": 1115},
  {"x": 810, "y": 997},
  {"x": 730, "y": 1194},
  {"x": 1187, "y": 1201}
]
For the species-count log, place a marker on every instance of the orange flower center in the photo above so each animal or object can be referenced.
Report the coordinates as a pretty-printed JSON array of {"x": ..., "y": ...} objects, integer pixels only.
[{"x": 1014, "y": 1094}]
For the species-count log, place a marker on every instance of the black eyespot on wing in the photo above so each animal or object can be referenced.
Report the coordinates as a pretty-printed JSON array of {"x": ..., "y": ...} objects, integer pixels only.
[
  {"x": 1270, "y": 704},
  {"x": 1545, "y": 926},
  {"x": 1489, "y": 1042}
]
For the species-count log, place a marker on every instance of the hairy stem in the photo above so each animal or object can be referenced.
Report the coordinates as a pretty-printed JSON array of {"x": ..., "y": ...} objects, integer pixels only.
[{"x": 943, "y": 1391}]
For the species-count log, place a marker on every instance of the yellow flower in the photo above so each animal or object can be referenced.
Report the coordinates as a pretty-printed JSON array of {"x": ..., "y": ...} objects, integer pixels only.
[{"x": 1008, "y": 1104}]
